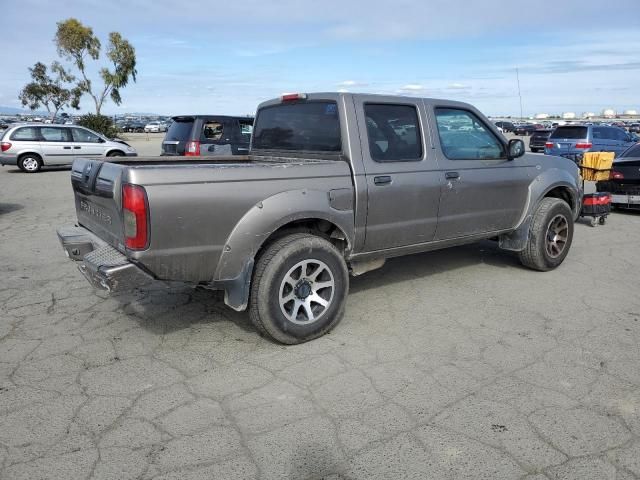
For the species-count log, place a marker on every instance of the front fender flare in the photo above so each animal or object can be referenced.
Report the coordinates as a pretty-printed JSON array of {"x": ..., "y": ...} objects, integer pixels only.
[{"x": 539, "y": 189}]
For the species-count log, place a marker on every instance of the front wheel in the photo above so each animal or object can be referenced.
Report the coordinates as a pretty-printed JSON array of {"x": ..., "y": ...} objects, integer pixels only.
[
  {"x": 550, "y": 235},
  {"x": 299, "y": 289}
]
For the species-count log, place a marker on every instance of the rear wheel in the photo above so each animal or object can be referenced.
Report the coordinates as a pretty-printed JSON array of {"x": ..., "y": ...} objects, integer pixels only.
[
  {"x": 115, "y": 153},
  {"x": 30, "y": 163},
  {"x": 550, "y": 235},
  {"x": 299, "y": 289}
]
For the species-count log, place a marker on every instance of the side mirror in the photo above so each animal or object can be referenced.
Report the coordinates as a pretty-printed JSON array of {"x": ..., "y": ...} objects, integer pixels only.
[
  {"x": 515, "y": 148},
  {"x": 101, "y": 140}
]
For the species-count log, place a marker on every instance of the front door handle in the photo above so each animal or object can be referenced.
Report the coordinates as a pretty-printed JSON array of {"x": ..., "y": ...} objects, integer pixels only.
[
  {"x": 77, "y": 148},
  {"x": 382, "y": 180},
  {"x": 67, "y": 148},
  {"x": 451, "y": 175}
]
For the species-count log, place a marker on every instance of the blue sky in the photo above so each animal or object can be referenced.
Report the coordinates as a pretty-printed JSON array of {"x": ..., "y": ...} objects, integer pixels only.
[{"x": 225, "y": 57}]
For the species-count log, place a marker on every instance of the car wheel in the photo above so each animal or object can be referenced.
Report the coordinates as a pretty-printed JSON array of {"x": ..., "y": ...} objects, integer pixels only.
[
  {"x": 115, "y": 153},
  {"x": 550, "y": 235},
  {"x": 299, "y": 289},
  {"x": 30, "y": 163},
  {"x": 534, "y": 150}
]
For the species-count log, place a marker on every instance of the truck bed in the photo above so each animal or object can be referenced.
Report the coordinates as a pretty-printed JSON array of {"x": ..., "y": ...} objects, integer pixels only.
[{"x": 196, "y": 203}]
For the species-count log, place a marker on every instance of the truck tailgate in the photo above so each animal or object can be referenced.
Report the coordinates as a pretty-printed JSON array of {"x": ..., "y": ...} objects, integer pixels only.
[{"x": 97, "y": 188}]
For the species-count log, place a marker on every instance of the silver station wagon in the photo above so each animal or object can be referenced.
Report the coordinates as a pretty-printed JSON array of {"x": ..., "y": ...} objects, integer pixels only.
[{"x": 32, "y": 146}]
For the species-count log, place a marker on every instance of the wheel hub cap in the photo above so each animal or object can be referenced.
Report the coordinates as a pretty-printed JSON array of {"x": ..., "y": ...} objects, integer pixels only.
[
  {"x": 306, "y": 292},
  {"x": 557, "y": 236},
  {"x": 303, "y": 290}
]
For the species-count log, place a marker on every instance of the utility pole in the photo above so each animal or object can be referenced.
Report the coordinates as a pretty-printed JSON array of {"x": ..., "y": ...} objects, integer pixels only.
[{"x": 519, "y": 93}]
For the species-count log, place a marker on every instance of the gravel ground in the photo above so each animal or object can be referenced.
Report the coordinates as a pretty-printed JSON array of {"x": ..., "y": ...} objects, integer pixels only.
[{"x": 448, "y": 365}]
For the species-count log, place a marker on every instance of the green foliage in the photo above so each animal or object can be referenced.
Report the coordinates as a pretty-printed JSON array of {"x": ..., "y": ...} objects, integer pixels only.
[
  {"x": 50, "y": 92},
  {"x": 99, "y": 123},
  {"x": 76, "y": 42}
]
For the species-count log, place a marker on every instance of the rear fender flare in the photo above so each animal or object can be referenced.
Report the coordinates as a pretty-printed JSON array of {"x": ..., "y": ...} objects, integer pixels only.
[{"x": 235, "y": 266}]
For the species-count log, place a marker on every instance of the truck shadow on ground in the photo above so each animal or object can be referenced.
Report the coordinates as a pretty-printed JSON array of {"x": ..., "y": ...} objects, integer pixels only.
[{"x": 167, "y": 308}]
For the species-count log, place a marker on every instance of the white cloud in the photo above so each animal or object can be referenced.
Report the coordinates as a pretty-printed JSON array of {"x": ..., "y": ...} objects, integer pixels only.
[
  {"x": 352, "y": 83},
  {"x": 343, "y": 90},
  {"x": 458, "y": 86}
]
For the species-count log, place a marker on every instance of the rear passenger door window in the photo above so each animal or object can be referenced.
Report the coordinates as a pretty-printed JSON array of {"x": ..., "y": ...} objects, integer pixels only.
[
  {"x": 394, "y": 132},
  {"x": 55, "y": 134},
  {"x": 213, "y": 130},
  {"x": 463, "y": 136}
]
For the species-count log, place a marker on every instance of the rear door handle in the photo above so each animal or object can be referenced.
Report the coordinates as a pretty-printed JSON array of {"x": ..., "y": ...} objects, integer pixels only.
[
  {"x": 382, "y": 180},
  {"x": 67, "y": 148},
  {"x": 77, "y": 148},
  {"x": 451, "y": 175}
]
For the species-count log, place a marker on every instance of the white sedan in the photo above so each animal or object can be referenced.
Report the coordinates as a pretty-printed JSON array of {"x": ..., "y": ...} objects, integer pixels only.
[{"x": 155, "y": 127}]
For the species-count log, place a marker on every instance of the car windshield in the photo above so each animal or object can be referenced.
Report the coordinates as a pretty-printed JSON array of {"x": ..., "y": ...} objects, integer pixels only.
[{"x": 573, "y": 133}]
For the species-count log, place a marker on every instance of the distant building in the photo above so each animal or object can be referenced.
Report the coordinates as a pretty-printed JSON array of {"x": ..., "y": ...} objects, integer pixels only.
[
  {"x": 630, "y": 113},
  {"x": 541, "y": 116},
  {"x": 568, "y": 115},
  {"x": 588, "y": 115}
]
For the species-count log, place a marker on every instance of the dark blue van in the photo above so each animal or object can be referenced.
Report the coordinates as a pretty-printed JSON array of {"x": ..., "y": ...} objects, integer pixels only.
[{"x": 572, "y": 140}]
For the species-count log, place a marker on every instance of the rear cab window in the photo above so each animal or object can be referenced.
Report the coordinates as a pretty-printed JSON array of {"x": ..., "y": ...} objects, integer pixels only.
[
  {"x": 571, "y": 132},
  {"x": 309, "y": 126}
]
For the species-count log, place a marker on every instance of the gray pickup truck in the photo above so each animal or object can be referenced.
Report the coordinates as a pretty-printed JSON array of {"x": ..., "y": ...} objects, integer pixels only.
[{"x": 333, "y": 185}]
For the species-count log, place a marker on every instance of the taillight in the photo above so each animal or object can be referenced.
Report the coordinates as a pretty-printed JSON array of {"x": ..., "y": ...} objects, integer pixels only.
[
  {"x": 616, "y": 175},
  {"x": 548, "y": 145},
  {"x": 192, "y": 148},
  {"x": 134, "y": 209},
  {"x": 290, "y": 97},
  {"x": 584, "y": 145},
  {"x": 4, "y": 146}
]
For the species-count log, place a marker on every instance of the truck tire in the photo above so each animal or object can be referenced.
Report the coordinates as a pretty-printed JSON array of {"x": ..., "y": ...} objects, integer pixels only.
[
  {"x": 299, "y": 289},
  {"x": 550, "y": 235}
]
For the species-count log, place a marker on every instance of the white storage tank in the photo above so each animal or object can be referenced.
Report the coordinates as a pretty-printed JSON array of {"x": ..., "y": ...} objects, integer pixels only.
[
  {"x": 541, "y": 116},
  {"x": 631, "y": 112},
  {"x": 588, "y": 115},
  {"x": 568, "y": 115},
  {"x": 608, "y": 112}
]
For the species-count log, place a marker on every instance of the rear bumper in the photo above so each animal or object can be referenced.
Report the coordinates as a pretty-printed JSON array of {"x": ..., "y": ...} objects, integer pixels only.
[
  {"x": 8, "y": 159},
  {"x": 104, "y": 267},
  {"x": 625, "y": 200}
]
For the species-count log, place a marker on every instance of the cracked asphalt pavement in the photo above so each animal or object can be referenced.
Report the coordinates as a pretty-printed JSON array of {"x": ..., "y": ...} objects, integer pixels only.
[{"x": 447, "y": 365}]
